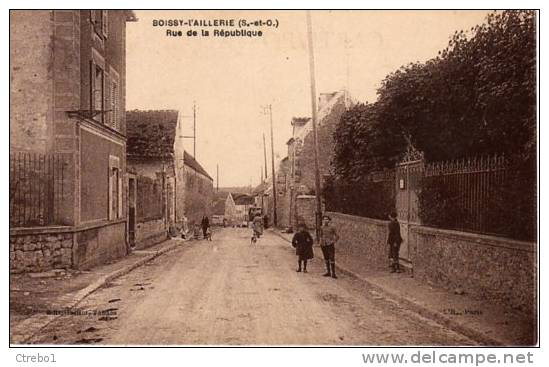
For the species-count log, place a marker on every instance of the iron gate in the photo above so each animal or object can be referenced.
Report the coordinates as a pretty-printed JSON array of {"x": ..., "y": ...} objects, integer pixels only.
[{"x": 409, "y": 174}]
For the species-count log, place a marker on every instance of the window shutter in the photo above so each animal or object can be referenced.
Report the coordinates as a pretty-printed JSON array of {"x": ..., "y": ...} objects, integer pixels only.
[
  {"x": 107, "y": 100},
  {"x": 103, "y": 96},
  {"x": 120, "y": 214},
  {"x": 105, "y": 23},
  {"x": 116, "y": 107},
  {"x": 109, "y": 196},
  {"x": 113, "y": 104},
  {"x": 92, "y": 85}
]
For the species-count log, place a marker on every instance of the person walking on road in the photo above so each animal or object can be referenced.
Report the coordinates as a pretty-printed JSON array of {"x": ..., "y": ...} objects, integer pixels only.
[
  {"x": 328, "y": 240},
  {"x": 205, "y": 224},
  {"x": 303, "y": 244},
  {"x": 394, "y": 240},
  {"x": 257, "y": 225}
]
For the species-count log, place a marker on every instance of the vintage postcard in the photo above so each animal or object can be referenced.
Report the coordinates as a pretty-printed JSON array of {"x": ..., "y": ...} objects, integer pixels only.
[{"x": 274, "y": 178}]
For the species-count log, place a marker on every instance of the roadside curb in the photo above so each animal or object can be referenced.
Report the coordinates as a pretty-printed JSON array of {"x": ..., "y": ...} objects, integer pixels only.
[
  {"x": 41, "y": 321},
  {"x": 420, "y": 309}
]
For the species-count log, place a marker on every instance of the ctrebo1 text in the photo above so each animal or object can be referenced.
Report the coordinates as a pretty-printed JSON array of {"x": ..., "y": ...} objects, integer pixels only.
[{"x": 35, "y": 358}]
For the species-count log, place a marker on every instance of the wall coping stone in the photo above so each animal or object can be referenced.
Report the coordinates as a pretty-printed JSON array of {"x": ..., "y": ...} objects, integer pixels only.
[
  {"x": 479, "y": 239},
  {"x": 357, "y": 218},
  {"x": 20, "y": 231}
]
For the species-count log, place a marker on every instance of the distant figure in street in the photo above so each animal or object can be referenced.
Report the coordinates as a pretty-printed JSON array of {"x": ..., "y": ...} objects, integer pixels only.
[
  {"x": 205, "y": 224},
  {"x": 394, "y": 240},
  {"x": 266, "y": 221},
  {"x": 257, "y": 225},
  {"x": 328, "y": 240},
  {"x": 303, "y": 244}
]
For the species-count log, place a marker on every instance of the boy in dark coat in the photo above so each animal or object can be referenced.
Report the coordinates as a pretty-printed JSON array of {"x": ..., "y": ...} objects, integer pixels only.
[
  {"x": 394, "y": 240},
  {"x": 303, "y": 243}
]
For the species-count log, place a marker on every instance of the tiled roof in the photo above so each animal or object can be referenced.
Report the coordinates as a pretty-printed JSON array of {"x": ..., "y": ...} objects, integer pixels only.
[
  {"x": 151, "y": 134},
  {"x": 300, "y": 120},
  {"x": 191, "y": 162},
  {"x": 242, "y": 199},
  {"x": 262, "y": 187}
]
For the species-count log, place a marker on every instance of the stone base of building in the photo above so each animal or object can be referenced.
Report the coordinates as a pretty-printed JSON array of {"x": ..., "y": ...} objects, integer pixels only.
[
  {"x": 150, "y": 233},
  {"x": 40, "y": 249}
]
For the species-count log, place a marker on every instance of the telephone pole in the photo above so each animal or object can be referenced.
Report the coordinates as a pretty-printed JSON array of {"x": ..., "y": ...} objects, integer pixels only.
[
  {"x": 217, "y": 178},
  {"x": 265, "y": 154},
  {"x": 270, "y": 109},
  {"x": 194, "y": 129},
  {"x": 318, "y": 212}
]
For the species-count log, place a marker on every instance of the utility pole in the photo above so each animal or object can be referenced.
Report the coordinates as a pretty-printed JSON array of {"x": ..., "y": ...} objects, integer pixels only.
[
  {"x": 273, "y": 167},
  {"x": 265, "y": 154},
  {"x": 318, "y": 212},
  {"x": 270, "y": 109},
  {"x": 348, "y": 72},
  {"x": 194, "y": 129},
  {"x": 217, "y": 178}
]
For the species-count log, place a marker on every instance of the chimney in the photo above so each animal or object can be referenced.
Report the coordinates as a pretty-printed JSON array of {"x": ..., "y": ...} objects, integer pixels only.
[{"x": 324, "y": 98}]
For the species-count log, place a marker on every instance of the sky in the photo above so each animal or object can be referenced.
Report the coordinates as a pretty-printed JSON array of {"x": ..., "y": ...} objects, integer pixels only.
[{"x": 230, "y": 79}]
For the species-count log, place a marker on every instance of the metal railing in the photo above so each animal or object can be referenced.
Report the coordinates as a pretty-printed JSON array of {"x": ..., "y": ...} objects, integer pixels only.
[{"x": 36, "y": 188}]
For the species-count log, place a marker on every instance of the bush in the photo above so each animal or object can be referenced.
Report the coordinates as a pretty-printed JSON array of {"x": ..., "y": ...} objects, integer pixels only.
[{"x": 365, "y": 198}]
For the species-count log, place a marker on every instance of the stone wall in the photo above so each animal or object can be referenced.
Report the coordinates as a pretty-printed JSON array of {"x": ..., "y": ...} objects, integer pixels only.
[
  {"x": 99, "y": 244},
  {"x": 31, "y": 75},
  {"x": 485, "y": 267},
  {"x": 198, "y": 195},
  {"x": 305, "y": 211},
  {"x": 363, "y": 241},
  {"x": 150, "y": 233},
  {"x": 34, "y": 252}
]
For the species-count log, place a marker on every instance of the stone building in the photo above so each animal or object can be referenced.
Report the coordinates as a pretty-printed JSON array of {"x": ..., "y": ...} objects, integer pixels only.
[
  {"x": 168, "y": 188},
  {"x": 297, "y": 201},
  {"x": 243, "y": 203},
  {"x": 218, "y": 208},
  {"x": 67, "y": 138},
  {"x": 230, "y": 210}
]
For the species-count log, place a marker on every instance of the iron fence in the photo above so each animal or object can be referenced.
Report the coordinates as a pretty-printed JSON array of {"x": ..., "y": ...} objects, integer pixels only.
[
  {"x": 472, "y": 194},
  {"x": 36, "y": 188},
  {"x": 373, "y": 196}
]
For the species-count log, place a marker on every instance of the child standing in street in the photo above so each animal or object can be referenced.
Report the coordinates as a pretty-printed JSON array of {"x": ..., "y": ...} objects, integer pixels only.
[
  {"x": 394, "y": 240},
  {"x": 329, "y": 238},
  {"x": 303, "y": 244}
]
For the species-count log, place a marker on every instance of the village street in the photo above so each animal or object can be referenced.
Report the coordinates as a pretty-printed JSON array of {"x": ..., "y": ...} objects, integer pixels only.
[{"x": 228, "y": 292}]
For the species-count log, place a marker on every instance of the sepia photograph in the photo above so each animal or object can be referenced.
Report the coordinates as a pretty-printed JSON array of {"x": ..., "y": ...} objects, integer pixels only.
[{"x": 245, "y": 178}]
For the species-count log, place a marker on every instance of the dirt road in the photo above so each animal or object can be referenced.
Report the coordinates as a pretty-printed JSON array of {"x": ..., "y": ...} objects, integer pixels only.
[{"x": 227, "y": 292}]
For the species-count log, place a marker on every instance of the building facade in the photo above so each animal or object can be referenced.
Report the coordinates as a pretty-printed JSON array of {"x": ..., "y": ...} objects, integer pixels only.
[
  {"x": 297, "y": 175},
  {"x": 67, "y": 138},
  {"x": 168, "y": 188}
]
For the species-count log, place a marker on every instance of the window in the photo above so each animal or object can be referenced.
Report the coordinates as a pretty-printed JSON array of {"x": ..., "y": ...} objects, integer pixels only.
[
  {"x": 100, "y": 22},
  {"x": 97, "y": 92}
]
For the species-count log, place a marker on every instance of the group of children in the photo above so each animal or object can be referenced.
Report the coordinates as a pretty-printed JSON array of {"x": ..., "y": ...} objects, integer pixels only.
[{"x": 303, "y": 244}]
